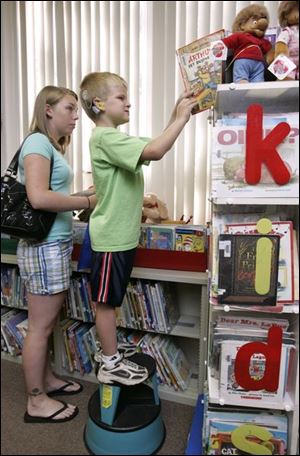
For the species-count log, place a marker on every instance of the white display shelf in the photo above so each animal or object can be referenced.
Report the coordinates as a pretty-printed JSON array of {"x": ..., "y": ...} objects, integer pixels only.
[
  {"x": 256, "y": 201},
  {"x": 287, "y": 309},
  {"x": 283, "y": 97}
]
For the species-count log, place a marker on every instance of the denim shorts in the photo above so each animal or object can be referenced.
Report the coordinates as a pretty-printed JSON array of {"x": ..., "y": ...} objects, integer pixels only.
[{"x": 45, "y": 267}]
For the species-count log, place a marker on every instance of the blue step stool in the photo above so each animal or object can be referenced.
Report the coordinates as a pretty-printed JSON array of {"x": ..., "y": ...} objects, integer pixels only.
[{"x": 126, "y": 419}]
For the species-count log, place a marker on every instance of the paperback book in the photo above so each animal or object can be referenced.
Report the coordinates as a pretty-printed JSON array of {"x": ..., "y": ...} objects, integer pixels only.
[
  {"x": 228, "y": 161},
  {"x": 200, "y": 70}
]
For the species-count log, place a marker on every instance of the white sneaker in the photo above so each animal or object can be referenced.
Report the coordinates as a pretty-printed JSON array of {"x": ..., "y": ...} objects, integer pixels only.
[
  {"x": 124, "y": 371},
  {"x": 124, "y": 348}
]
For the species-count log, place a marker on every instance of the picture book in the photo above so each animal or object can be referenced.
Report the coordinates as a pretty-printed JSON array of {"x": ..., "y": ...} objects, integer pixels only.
[
  {"x": 221, "y": 430},
  {"x": 228, "y": 163},
  {"x": 284, "y": 229},
  {"x": 161, "y": 237},
  {"x": 248, "y": 271},
  {"x": 233, "y": 393},
  {"x": 201, "y": 71},
  {"x": 190, "y": 238}
]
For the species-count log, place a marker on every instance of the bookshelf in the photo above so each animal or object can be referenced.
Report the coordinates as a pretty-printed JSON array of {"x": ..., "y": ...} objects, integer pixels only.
[
  {"x": 190, "y": 332},
  {"x": 275, "y": 98}
]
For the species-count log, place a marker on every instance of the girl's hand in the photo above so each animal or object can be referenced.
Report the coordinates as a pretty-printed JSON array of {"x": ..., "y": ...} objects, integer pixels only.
[{"x": 93, "y": 201}]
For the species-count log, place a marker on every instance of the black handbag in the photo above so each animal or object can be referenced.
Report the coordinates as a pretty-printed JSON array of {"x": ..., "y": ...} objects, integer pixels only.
[{"x": 18, "y": 218}]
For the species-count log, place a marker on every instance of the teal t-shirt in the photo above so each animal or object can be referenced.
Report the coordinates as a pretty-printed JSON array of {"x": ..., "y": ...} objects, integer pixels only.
[
  {"x": 119, "y": 182},
  {"x": 61, "y": 179}
]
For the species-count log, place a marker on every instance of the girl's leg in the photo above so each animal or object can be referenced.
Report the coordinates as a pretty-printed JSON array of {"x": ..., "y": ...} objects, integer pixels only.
[{"x": 42, "y": 315}]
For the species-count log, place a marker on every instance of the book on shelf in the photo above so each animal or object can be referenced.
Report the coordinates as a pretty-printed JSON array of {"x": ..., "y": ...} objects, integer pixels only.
[
  {"x": 244, "y": 329},
  {"x": 283, "y": 229},
  {"x": 191, "y": 238},
  {"x": 240, "y": 279},
  {"x": 201, "y": 70},
  {"x": 229, "y": 157},
  {"x": 233, "y": 393},
  {"x": 221, "y": 432},
  {"x": 161, "y": 237}
]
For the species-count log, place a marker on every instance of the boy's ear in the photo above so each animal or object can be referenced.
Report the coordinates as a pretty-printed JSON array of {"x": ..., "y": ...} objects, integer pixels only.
[{"x": 98, "y": 104}]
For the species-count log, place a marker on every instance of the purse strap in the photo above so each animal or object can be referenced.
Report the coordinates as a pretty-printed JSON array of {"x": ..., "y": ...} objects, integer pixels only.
[{"x": 12, "y": 169}]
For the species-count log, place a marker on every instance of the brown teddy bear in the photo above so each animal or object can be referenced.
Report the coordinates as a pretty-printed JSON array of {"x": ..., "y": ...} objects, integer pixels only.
[
  {"x": 287, "y": 42},
  {"x": 248, "y": 43},
  {"x": 154, "y": 210}
]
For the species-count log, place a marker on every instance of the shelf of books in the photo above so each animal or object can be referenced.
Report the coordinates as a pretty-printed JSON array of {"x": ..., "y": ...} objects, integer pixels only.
[
  {"x": 164, "y": 312},
  {"x": 253, "y": 348}
]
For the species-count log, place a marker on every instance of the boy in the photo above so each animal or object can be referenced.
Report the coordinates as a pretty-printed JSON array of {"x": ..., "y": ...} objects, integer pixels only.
[{"x": 115, "y": 223}]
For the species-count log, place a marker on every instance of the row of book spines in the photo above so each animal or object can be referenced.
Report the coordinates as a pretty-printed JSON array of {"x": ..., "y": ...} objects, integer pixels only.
[
  {"x": 147, "y": 306},
  {"x": 80, "y": 345},
  {"x": 12, "y": 288},
  {"x": 144, "y": 306},
  {"x": 14, "y": 325}
]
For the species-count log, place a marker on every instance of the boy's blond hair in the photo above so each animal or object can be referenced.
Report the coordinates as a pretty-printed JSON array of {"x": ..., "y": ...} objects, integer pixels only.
[{"x": 97, "y": 85}]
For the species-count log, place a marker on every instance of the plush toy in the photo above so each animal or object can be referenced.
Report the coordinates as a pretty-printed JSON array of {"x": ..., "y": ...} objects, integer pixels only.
[
  {"x": 287, "y": 42},
  {"x": 248, "y": 43},
  {"x": 154, "y": 210}
]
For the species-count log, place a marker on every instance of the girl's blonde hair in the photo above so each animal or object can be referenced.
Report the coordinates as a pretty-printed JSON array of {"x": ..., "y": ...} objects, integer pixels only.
[
  {"x": 97, "y": 85},
  {"x": 49, "y": 95}
]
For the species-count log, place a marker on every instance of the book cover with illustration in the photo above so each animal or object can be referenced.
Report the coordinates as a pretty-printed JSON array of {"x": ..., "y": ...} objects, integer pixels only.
[
  {"x": 233, "y": 393},
  {"x": 221, "y": 432},
  {"x": 229, "y": 154},
  {"x": 201, "y": 72},
  {"x": 284, "y": 229},
  {"x": 190, "y": 238},
  {"x": 245, "y": 276}
]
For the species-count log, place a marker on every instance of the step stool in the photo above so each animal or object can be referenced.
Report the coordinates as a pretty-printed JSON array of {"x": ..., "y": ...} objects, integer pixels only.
[{"x": 126, "y": 419}]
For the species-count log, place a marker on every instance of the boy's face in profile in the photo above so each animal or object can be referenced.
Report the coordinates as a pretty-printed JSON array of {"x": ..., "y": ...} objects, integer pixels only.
[{"x": 117, "y": 105}]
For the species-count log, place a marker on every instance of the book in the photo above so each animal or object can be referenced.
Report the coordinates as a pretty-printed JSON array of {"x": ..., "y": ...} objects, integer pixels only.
[
  {"x": 161, "y": 237},
  {"x": 190, "y": 238},
  {"x": 220, "y": 425},
  {"x": 284, "y": 229},
  {"x": 246, "y": 277},
  {"x": 201, "y": 72},
  {"x": 232, "y": 393},
  {"x": 228, "y": 162}
]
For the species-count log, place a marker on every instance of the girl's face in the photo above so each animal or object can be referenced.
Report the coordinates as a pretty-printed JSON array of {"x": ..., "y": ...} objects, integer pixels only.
[
  {"x": 62, "y": 117},
  {"x": 117, "y": 105}
]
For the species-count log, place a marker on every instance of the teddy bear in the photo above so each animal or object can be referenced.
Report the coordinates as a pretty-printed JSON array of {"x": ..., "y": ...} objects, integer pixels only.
[
  {"x": 154, "y": 210},
  {"x": 249, "y": 46},
  {"x": 287, "y": 42}
]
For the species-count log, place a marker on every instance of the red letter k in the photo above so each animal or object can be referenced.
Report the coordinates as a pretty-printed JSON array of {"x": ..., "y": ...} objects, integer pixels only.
[{"x": 259, "y": 150}]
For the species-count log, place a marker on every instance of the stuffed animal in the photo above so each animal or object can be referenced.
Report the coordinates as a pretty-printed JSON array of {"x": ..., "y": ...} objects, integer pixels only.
[
  {"x": 248, "y": 43},
  {"x": 287, "y": 42},
  {"x": 154, "y": 210}
]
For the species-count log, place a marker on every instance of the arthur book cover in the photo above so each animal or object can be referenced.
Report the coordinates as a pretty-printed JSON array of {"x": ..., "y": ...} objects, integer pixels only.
[
  {"x": 201, "y": 72},
  {"x": 246, "y": 275}
]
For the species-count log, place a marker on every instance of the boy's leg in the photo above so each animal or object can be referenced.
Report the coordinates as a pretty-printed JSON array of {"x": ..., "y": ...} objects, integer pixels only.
[{"x": 106, "y": 328}]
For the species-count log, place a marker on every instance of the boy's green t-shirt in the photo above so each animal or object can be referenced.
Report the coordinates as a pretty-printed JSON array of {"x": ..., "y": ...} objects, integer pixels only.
[{"x": 119, "y": 182}]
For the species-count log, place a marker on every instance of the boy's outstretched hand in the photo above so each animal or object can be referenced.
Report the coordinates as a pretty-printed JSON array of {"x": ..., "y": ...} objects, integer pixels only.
[{"x": 185, "y": 103}]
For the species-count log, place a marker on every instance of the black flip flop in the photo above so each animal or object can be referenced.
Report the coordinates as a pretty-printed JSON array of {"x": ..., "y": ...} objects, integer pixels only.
[
  {"x": 61, "y": 391},
  {"x": 50, "y": 419}
]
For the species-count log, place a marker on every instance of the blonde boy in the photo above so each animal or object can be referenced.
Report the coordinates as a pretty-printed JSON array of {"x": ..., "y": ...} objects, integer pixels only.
[{"x": 117, "y": 161}]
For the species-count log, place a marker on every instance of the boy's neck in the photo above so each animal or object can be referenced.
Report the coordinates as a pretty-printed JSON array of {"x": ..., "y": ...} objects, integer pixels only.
[{"x": 104, "y": 122}]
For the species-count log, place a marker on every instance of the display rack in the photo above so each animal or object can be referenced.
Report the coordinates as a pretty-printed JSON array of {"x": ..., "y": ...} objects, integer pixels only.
[{"x": 275, "y": 97}]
